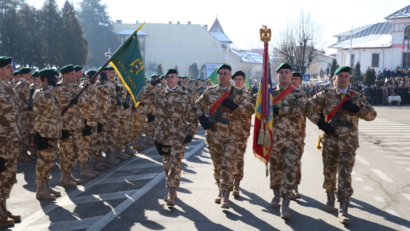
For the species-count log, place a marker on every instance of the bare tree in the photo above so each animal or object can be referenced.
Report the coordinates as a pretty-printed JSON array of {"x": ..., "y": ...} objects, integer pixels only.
[{"x": 297, "y": 42}]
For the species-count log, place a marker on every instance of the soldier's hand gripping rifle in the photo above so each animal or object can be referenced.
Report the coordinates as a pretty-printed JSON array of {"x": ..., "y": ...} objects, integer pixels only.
[
  {"x": 30, "y": 101},
  {"x": 216, "y": 116},
  {"x": 126, "y": 104},
  {"x": 119, "y": 96}
]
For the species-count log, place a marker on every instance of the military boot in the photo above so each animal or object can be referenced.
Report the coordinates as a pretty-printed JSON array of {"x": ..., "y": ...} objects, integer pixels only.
[
  {"x": 4, "y": 219},
  {"x": 137, "y": 146},
  {"x": 149, "y": 141},
  {"x": 90, "y": 169},
  {"x": 9, "y": 214},
  {"x": 24, "y": 157},
  {"x": 109, "y": 159},
  {"x": 77, "y": 181},
  {"x": 43, "y": 193},
  {"x": 330, "y": 205},
  {"x": 343, "y": 213},
  {"x": 98, "y": 164},
  {"x": 124, "y": 155},
  {"x": 225, "y": 199},
  {"x": 32, "y": 156},
  {"x": 118, "y": 155},
  {"x": 276, "y": 199},
  {"x": 236, "y": 187},
  {"x": 84, "y": 171},
  {"x": 66, "y": 180},
  {"x": 47, "y": 186},
  {"x": 218, "y": 198},
  {"x": 296, "y": 191},
  {"x": 175, "y": 196},
  {"x": 171, "y": 197},
  {"x": 128, "y": 150},
  {"x": 284, "y": 213}
]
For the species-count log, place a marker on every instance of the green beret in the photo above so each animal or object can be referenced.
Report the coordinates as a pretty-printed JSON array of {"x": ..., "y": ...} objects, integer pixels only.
[
  {"x": 91, "y": 72},
  {"x": 284, "y": 66},
  {"x": 180, "y": 77},
  {"x": 199, "y": 79},
  {"x": 171, "y": 71},
  {"x": 4, "y": 61},
  {"x": 25, "y": 70},
  {"x": 47, "y": 72},
  {"x": 15, "y": 73},
  {"x": 78, "y": 68},
  {"x": 342, "y": 69},
  {"x": 109, "y": 68},
  {"x": 224, "y": 66},
  {"x": 192, "y": 80},
  {"x": 239, "y": 73},
  {"x": 183, "y": 77},
  {"x": 296, "y": 74},
  {"x": 36, "y": 74},
  {"x": 154, "y": 76},
  {"x": 55, "y": 72},
  {"x": 66, "y": 69}
]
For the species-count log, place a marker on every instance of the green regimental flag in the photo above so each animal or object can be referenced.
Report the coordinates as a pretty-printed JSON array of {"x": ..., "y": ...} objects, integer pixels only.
[
  {"x": 247, "y": 82},
  {"x": 213, "y": 78},
  {"x": 128, "y": 63}
]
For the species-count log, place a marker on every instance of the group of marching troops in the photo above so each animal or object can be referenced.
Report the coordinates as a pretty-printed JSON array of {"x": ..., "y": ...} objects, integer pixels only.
[{"x": 171, "y": 107}]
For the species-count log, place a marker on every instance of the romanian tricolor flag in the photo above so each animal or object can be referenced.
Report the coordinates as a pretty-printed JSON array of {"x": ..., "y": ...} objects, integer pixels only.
[{"x": 262, "y": 137}]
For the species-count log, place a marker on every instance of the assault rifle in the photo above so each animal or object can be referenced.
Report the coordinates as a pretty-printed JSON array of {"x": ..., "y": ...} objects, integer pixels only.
[
  {"x": 30, "y": 101},
  {"x": 216, "y": 116}
]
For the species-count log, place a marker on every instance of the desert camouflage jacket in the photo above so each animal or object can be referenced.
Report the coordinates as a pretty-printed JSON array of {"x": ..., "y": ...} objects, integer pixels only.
[
  {"x": 9, "y": 114},
  {"x": 303, "y": 117},
  {"x": 115, "y": 110},
  {"x": 286, "y": 124},
  {"x": 247, "y": 119},
  {"x": 47, "y": 112},
  {"x": 104, "y": 100},
  {"x": 73, "y": 118},
  {"x": 346, "y": 138},
  {"x": 22, "y": 89},
  {"x": 91, "y": 112},
  {"x": 211, "y": 95},
  {"x": 199, "y": 91},
  {"x": 175, "y": 117}
]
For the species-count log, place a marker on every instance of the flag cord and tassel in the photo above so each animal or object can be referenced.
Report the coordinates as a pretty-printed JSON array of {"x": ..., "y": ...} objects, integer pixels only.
[
  {"x": 267, "y": 169},
  {"x": 267, "y": 139},
  {"x": 261, "y": 135}
]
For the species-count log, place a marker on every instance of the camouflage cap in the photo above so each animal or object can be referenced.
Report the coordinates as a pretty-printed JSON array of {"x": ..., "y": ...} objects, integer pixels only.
[{"x": 4, "y": 61}]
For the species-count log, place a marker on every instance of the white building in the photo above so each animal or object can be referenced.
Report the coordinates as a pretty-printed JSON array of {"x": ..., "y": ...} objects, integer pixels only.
[{"x": 378, "y": 45}]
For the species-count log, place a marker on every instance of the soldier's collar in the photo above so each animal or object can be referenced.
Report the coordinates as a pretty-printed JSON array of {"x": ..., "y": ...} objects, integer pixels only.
[
  {"x": 278, "y": 87},
  {"x": 4, "y": 82},
  {"x": 224, "y": 88}
]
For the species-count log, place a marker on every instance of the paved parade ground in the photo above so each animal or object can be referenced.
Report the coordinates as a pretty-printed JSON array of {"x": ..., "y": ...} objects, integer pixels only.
[{"x": 130, "y": 195}]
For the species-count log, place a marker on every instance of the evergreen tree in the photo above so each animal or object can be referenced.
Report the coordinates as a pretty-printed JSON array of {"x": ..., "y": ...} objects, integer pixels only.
[
  {"x": 9, "y": 34},
  {"x": 159, "y": 69},
  {"x": 201, "y": 72},
  {"x": 333, "y": 68},
  {"x": 176, "y": 68},
  {"x": 50, "y": 31},
  {"x": 367, "y": 75},
  {"x": 357, "y": 72},
  {"x": 321, "y": 73},
  {"x": 193, "y": 71},
  {"x": 73, "y": 44},
  {"x": 97, "y": 27}
]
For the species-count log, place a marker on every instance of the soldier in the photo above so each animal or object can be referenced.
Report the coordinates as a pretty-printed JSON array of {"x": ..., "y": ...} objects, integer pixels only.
[
  {"x": 78, "y": 73},
  {"x": 9, "y": 139},
  {"x": 16, "y": 78},
  {"x": 289, "y": 105},
  {"x": 139, "y": 119},
  {"x": 47, "y": 130},
  {"x": 192, "y": 86},
  {"x": 339, "y": 143},
  {"x": 91, "y": 114},
  {"x": 223, "y": 138},
  {"x": 151, "y": 117},
  {"x": 239, "y": 83},
  {"x": 175, "y": 126},
  {"x": 184, "y": 83},
  {"x": 70, "y": 145},
  {"x": 125, "y": 124}
]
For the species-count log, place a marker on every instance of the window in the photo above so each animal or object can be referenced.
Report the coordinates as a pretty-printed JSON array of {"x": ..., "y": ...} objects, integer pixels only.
[
  {"x": 352, "y": 61},
  {"x": 375, "y": 60},
  {"x": 406, "y": 63},
  {"x": 407, "y": 32}
]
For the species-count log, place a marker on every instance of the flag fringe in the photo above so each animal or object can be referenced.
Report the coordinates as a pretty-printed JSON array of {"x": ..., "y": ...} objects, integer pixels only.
[
  {"x": 260, "y": 158},
  {"x": 261, "y": 136}
]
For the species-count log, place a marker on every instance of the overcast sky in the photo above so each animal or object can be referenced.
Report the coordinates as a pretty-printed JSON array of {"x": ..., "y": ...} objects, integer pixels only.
[{"x": 241, "y": 20}]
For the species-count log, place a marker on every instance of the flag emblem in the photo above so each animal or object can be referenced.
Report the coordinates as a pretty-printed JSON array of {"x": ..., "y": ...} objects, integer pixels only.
[{"x": 136, "y": 66}]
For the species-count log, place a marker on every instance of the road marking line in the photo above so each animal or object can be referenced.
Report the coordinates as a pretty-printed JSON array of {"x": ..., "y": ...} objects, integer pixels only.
[
  {"x": 105, "y": 220},
  {"x": 382, "y": 175},
  {"x": 379, "y": 199},
  {"x": 392, "y": 212},
  {"x": 130, "y": 178},
  {"x": 353, "y": 173},
  {"x": 358, "y": 179},
  {"x": 406, "y": 195},
  {"x": 397, "y": 157},
  {"x": 405, "y": 228},
  {"x": 98, "y": 198},
  {"x": 367, "y": 188},
  {"x": 361, "y": 159},
  {"x": 67, "y": 225},
  {"x": 401, "y": 162}
]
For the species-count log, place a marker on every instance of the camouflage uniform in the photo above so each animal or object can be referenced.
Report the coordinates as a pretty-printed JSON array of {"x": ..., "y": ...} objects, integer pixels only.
[
  {"x": 116, "y": 112},
  {"x": 104, "y": 104},
  {"x": 223, "y": 142},
  {"x": 23, "y": 91},
  {"x": 175, "y": 118},
  {"x": 70, "y": 148},
  {"x": 338, "y": 151},
  {"x": 9, "y": 136},
  {"x": 286, "y": 145},
  {"x": 91, "y": 113},
  {"x": 139, "y": 118},
  {"x": 125, "y": 122},
  {"x": 302, "y": 143},
  {"x": 48, "y": 124}
]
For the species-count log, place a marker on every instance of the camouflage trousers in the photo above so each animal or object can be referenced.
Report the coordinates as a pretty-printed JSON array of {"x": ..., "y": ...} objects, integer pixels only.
[
  {"x": 173, "y": 164},
  {"x": 150, "y": 129},
  {"x": 100, "y": 142},
  {"x": 240, "y": 153},
  {"x": 25, "y": 134},
  {"x": 223, "y": 153},
  {"x": 342, "y": 163},
  {"x": 46, "y": 161},
  {"x": 138, "y": 124},
  {"x": 88, "y": 147},
  {"x": 70, "y": 150},
  {"x": 125, "y": 130},
  {"x": 112, "y": 135},
  {"x": 8, "y": 176},
  {"x": 283, "y": 167},
  {"x": 299, "y": 172}
]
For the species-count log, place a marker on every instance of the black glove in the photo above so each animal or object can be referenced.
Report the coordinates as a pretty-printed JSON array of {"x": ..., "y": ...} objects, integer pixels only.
[
  {"x": 188, "y": 139},
  {"x": 126, "y": 105},
  {"x": 154, "y": 82},
  {"x": 65, "y": 134},
  {"x": 29, "y": 108},
  {"x": 100, "y": 128},
  {"x": 275, "y": 110},
  {"x": 103, "y": 76},
  {"x": 133, "y": 106},
  {"x": 324, "y": 126},
  {"x": 74, "y": 101},
  {"x": 142, "y": 104},
  {"x": 150, "y": 117},
  {"x": 52, "y": 81},
  {"x": 118, "y": 88},
  {"x": 203, "y": 120},
  {"x": 2, "y": 164},
  {"x": 351, "y": 107},
  {"x": 230, "y": 104}
]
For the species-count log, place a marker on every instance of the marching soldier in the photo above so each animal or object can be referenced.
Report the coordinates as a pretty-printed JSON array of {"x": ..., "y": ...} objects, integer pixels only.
[
  {"x": 200, "y": 89},
  {"x": 184, "y": 83},
  {"x": 70, "y": 145},
  {"x": 239, "y": 83},
  {"x": 150, "y": 132},
  {"x": 192, "y": 86},
  {"x": 9, "y": 139},
  {"x": 289, "y": 105},
  {"x": 47, "y": 130},
  {"x": 223, "y": 138},
  {"x": 78, "y": 75},
  {"x": 175, "y": 126},
  {"x": 339, "y": 143}
]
